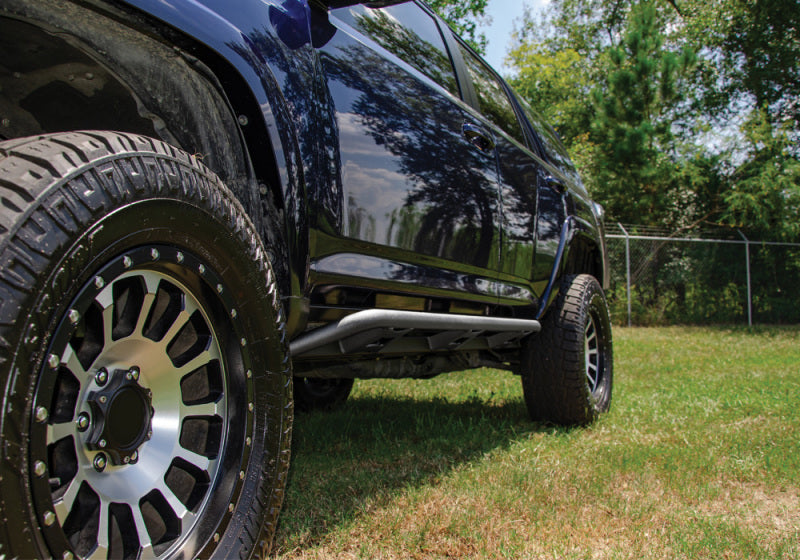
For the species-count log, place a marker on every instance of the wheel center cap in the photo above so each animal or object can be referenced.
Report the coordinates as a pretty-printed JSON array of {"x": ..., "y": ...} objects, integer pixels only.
[{"x": 122, "y": 414}]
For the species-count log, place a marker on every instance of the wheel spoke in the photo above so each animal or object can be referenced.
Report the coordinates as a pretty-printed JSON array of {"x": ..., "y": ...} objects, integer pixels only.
[
  {"x": 108, "y": 325},
  {"x": 203, "y": 409},
  {"x": 74, "y": 365},
  {"x": 141, "y": 531},
  {"x": 195, "y": 459},
  {"x": 591, "y": 373},
  {"x": 63, "y": 506},
  {"x": 180, "y": 321},
  {"x": 101, "y": 550},
  {"x": 197, "y": 362},
  {"x": 57, "y": 432},
  {"x": 144, "y": 313},
  {"x": 174, "y": 503}
]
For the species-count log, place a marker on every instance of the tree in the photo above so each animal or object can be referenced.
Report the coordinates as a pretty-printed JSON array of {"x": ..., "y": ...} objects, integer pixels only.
[
  {"x": 752, "y": 51},
  {"x": 464, "y": 16},
  {"x": 632, "y": 123}
]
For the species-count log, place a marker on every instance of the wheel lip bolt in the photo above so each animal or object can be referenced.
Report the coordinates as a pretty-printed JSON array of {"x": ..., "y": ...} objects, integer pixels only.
[
  {"x": 41, "y": 414},
  {"x": 49, "y": 518},
  {"x": 53, "y": 361},
  {"x": 74, "y": 316},
  {"x": 39, "y": 469}
]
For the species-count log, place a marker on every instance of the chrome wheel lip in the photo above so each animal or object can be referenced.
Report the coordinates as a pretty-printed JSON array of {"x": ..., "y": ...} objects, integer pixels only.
[{"x": 129, "y": 483}]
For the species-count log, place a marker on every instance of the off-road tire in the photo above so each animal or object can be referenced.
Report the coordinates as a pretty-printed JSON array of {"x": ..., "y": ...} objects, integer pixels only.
[
  {"x": 146, "y": 385},
  {"x": 567, "y": 369},
  {"x": 311, "y": 393}
]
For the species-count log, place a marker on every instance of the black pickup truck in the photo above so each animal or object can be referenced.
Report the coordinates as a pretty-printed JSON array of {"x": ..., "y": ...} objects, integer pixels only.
[{"x": 211, "y": 211}]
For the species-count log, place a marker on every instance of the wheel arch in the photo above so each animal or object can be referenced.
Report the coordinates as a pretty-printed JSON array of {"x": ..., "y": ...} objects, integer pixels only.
[
  {"x": 581, "y": 250},
  {"x": 179, "y": 90}
]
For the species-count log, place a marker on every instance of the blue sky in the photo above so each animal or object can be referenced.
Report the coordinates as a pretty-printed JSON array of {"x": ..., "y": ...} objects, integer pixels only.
[{"x": 503, "y": 13}]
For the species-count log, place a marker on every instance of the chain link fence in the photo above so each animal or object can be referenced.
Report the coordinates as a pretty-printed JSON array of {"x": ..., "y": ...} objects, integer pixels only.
[{"x": 712, "y": 277}]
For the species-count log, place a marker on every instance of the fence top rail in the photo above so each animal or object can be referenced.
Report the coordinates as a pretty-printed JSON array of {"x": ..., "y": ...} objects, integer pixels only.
[
  {"x": 700, "y": 240},
  {"x": 655, "y": 237}
]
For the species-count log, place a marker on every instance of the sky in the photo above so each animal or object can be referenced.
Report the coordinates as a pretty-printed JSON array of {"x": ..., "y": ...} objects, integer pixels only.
[{"x": 503, "y": 13}]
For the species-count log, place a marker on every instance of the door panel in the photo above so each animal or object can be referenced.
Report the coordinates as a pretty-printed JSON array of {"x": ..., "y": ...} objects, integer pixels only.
[{"x": 414, "y": 183}]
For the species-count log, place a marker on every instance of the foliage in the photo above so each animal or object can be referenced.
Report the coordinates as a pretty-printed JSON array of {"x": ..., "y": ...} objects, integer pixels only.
[
  {"x": 765, "y": 189},
  {"x": 464, "y": 16},
  {"x": 691, "y": 107},
  {"x": 631, "y": 126},
  {"x": 753, "y": 47}
]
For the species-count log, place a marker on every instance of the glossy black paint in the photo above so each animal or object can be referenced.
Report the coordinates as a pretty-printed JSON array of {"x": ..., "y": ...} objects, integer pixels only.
[{"x": 390, "y": 178}]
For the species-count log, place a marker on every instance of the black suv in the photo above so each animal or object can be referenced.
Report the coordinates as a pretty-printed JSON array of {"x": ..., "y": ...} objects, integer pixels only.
[{"x": 210, "y": 210}]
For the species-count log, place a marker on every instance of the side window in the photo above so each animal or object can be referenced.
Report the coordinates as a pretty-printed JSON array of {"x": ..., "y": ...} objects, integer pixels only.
[
  {"x": 492, "y": 97},
  {"x": 408, "y": 32},
  {"x": 551, "y": 143}
]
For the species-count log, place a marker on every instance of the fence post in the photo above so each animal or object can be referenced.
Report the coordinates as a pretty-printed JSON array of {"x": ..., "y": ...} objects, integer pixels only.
[
  {"x": 627, "y": 268},
  {"x": 749, "y": 290}
]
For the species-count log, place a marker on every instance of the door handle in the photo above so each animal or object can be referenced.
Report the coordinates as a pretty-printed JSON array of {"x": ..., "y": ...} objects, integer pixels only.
[{"x": 478, "y": 137}]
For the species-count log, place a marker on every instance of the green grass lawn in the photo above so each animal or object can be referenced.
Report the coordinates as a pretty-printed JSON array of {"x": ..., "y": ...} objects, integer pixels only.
[{"x": 699, "y": 457}]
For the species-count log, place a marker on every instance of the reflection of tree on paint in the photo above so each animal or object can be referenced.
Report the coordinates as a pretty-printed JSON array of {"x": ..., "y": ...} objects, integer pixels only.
[
  {"x": 293, "y": 78},
  {"x": 406, "y": 43},
  {"x": 451, "y": 183}
]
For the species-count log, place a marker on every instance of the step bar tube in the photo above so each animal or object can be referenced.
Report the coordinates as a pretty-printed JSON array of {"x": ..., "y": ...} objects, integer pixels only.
[{"x": 371, "y": 319}]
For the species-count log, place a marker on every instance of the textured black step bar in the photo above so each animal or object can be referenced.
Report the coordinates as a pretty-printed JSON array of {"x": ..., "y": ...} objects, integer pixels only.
[{"x": 389, "y": 323}]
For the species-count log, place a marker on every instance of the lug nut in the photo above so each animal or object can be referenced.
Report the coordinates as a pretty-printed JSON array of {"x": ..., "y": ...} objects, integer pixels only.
[
  {"x": 83, "y": 422},
  {"x": 133, "y": 374},
  {"x": 134, "y": 456},
  {"x": 100, "y": 462},
  {"x": 101, "y": 377}
]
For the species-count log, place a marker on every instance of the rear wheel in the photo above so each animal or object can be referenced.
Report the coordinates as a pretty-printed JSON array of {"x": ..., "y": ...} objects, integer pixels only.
[
  {"x": 311, "y": 393},
  {"x": 568, "y": 368},
  {"x": 147, "y": 398}
]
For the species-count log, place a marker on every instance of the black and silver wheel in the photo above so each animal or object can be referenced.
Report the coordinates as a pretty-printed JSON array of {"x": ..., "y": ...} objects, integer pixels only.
[
  {"x": 567, "y": 369},
  {"x": 311, "y": 393},
  {"x": 147, "y": 387}
]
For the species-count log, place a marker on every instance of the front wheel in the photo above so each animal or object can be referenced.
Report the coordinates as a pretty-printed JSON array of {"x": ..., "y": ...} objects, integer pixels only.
[
  {"x": 567, "y": 369},
  {"x": 147, "y": 405}
]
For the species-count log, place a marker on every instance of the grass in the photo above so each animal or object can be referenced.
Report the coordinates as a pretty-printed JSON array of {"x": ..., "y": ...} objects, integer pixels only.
[{"x": 699, "y": 457}]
